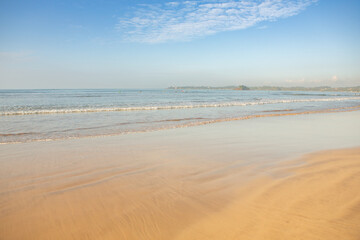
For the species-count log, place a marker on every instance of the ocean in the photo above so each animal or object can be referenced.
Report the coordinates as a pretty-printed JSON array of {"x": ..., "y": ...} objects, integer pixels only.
[{"x": 46, "y": 115}]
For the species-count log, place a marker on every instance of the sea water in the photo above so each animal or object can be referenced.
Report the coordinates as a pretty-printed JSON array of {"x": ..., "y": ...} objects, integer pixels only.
[{"x": 45, "y": 115}]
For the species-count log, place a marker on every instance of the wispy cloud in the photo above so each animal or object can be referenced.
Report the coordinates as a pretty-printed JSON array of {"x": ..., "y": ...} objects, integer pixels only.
[{"x": 186, "y": 20}]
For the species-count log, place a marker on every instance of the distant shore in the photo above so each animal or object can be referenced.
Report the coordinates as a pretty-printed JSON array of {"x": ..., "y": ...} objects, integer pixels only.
[{"x": 271, "y": 88}]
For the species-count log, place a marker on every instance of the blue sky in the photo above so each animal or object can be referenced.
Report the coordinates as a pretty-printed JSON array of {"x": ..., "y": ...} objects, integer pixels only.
[{"x": 156, "y": 44}]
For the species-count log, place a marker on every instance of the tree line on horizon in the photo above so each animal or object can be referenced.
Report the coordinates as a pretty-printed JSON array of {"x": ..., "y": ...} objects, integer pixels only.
[{"x": 272, "y": 88}]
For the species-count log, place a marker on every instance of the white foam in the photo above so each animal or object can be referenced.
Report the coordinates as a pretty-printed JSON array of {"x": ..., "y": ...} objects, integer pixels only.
[
  {"x": 185, "y": 125},
  {"x": 169, "y": 107}
]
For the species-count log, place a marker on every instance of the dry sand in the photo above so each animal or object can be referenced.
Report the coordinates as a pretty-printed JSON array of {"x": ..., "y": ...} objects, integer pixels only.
[
  {"x": 201, "y": 183},
  {"x": 318, "y": 200}
]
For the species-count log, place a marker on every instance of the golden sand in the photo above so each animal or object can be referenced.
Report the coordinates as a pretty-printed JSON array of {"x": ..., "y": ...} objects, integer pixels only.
[
  {"x": 316, "y": 200},
  {"x": 137, "y": 197},
  {"x": 222, "y": 182}
]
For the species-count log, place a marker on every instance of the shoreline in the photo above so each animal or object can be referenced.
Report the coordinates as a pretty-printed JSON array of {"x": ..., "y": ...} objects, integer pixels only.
[
  {"x": 173, "y": 184},
  {"x": 201, "y": 123}
]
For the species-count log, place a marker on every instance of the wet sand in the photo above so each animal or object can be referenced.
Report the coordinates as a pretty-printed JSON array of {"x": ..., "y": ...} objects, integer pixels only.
[{"x": 234, "y": 180}]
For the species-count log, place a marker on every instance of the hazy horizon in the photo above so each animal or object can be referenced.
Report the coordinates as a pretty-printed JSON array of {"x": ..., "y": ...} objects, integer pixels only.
[{"x": 195, "y": 86}]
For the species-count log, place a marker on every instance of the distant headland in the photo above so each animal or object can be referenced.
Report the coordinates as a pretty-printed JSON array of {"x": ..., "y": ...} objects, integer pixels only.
[{"x": 271, "y": 88}]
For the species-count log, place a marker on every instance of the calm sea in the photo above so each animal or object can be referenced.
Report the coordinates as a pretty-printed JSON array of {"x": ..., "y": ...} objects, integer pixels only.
[{"x": 44, "y": 115}]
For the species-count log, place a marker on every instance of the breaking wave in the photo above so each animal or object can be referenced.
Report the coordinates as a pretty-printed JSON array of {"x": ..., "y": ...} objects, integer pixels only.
[{"x": 168, "y": 107}]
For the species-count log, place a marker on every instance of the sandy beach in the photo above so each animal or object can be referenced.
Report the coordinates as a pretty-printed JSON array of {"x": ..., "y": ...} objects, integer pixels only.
[
  {"x": 180, "y": 120},
  {"x": 318, "y": 200},
  {"x": 284, "y": 177}
]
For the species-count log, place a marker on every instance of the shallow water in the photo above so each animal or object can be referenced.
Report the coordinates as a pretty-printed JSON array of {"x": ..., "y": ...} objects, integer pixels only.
[{"x": 42, "y": 115}]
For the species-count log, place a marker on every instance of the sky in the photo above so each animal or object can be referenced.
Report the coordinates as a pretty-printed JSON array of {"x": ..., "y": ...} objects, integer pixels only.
[{"x": 160, "y": 43}]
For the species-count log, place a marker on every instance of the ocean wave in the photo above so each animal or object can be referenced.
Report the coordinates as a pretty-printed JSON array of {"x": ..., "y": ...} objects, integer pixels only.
[
  {"x": 168, "y": 107},
  {"x": 185, "y": 125}
]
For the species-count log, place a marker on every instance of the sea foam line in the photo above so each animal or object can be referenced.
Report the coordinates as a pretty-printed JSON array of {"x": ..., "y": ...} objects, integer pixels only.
[
  {"x": 169, "y": 107},
  {"x": 192, "y": 124}
]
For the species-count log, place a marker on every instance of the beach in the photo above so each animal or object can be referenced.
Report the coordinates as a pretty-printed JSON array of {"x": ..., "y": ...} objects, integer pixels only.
[
  {"x": 180, "y": 120},
  {"x": 317, "y": 200},
  {"x": 272, "y": 177}
]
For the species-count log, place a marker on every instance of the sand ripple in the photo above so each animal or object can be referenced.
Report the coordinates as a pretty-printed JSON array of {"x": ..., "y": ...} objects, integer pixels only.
[{"x": 319, "y": 200}]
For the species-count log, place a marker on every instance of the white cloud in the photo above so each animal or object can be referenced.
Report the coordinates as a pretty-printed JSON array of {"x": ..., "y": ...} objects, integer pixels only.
[
  {"x": 262, "y": 27},
  {"x": 334, "y": 78},
  {"x": 186, "y": 20}
]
